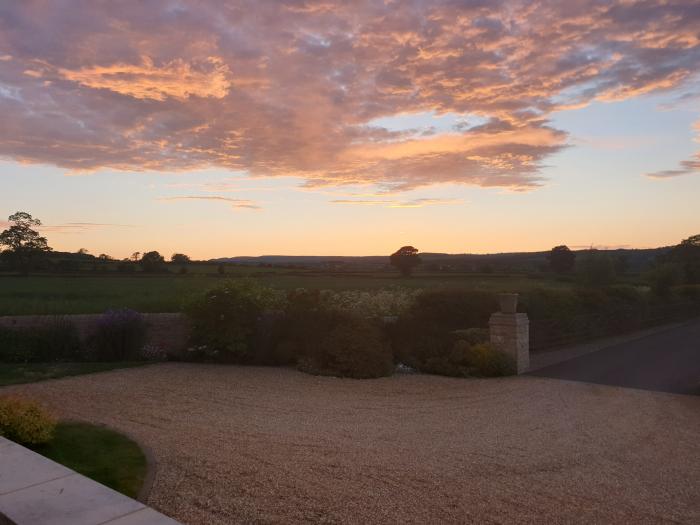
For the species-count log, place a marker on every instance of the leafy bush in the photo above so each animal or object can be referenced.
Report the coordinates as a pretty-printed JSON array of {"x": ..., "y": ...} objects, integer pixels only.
[
  {"x": 423, "y": 337},
  {"x": 120, "y": 335},
  {"x": 485, "y": 361},
  {"x": 225, "y": 320},
  {"x": 596, "y": 269},
  {"x": 663, "y": 277},
  {"x": 348, "y": 346},
  {"x": 56, "y": 341},
  {"x": 25, "y": 421}
]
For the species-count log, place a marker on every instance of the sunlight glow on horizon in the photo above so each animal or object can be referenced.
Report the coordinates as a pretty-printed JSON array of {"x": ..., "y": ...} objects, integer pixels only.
[{"x": 351, "y": 131}]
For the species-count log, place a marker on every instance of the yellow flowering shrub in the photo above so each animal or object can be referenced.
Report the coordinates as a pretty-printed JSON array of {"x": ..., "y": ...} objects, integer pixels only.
[{"x": 25, "y": 421}]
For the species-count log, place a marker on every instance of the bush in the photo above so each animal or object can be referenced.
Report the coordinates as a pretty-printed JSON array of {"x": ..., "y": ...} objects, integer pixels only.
[
  {"x": 663, "y": 277},
  {"x": 56, "y": 341},
  {"x": 348, "y": 346},
  {"x": 596, "y": 269},
  {"x": 423, "y": 337},
  {"x": 485, "y": 361},
  {"x": 226, "y": 321},
  {"x": 25, "y": 421},
  {"x": 370, "y": 303},
  {"x": 120, "y": 335}
]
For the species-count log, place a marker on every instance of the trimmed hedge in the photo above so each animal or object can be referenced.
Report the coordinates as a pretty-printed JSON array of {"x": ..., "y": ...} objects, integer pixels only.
[{"x": 58, "y": 341}]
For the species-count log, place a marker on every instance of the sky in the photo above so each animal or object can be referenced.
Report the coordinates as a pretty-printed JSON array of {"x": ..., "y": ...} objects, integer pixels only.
[{"x": 351, "y": 128}]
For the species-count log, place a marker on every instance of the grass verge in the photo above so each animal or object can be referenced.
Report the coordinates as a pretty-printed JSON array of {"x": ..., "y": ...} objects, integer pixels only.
[
  {"x": 98, "y": 453},
  {"x": 14, "y": 374}
]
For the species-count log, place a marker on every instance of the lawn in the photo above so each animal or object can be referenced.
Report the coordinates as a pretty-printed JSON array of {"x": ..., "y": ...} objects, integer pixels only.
[
  {"x": 14, "y": 374},
  {"x": 100, "y": 454},
  {"x": 52, "y": 294}
]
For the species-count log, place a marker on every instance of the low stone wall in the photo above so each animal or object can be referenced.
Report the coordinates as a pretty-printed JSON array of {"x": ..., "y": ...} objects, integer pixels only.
[{"x": 168, "y": 331}]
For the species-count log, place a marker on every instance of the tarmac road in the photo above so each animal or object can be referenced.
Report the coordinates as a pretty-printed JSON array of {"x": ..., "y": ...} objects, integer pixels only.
[{"x": 667, "y": 361}]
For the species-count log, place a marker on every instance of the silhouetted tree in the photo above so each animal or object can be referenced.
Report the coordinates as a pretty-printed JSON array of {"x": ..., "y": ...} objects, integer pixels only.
[
  {"x": 561, "y": 259},
  {"x": 405, "y": 259},
  {"x": 24, "y": 245},
  {"x": 179, "y": 258},
  {"x": 152, "y": 262}
]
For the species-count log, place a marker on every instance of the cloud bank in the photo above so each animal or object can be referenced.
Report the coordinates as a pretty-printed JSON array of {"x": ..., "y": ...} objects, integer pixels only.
[{"x": 291, "y": 88}]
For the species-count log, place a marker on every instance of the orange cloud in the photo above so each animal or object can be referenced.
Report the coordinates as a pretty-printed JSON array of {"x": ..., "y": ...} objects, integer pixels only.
[
  {"x": 295, "y": 89},
  {"x": 177, "y": 79}
]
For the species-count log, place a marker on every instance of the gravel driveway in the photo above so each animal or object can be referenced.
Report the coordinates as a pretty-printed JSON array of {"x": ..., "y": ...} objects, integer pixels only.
[{"x": 269, "y": 445}]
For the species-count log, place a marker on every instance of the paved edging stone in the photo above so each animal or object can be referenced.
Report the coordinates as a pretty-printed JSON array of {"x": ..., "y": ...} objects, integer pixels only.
[{"x": 35, "y": 490}]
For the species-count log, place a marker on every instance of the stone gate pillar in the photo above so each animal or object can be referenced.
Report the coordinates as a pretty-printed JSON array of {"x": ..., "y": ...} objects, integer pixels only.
[{"x": 510, "y": 331}]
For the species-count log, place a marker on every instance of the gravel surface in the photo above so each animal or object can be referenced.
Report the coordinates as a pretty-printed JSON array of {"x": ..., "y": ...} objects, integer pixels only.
[{"x": 270, "y": 445}]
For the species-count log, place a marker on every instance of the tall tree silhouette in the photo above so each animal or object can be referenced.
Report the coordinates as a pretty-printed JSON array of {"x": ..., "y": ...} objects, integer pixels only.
[
  {"x": 405, "y": 259},
  {"x": 24, "y": 245},
  {"x": 561, "y": 259}
]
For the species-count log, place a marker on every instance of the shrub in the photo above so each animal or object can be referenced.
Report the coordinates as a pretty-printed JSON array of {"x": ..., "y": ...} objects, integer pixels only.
[
  {"x": 120, "y": 335},
  {"x": 663, "y": 277},
  {"x": 348, "y": 346},
  {"x": 25, "y": 421},
  {"x": 596, "y": 269},
  {"x": 56, "y": 341},
  {"x": 485, "y": 361},
  {"x": 226, "y": 321},
  {"x": 370, "y": 303},
  {"x": 423, "y": 337}
]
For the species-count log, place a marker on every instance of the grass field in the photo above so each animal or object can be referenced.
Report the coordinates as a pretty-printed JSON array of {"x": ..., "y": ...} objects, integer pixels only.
[{"x": 51, "y": 294}]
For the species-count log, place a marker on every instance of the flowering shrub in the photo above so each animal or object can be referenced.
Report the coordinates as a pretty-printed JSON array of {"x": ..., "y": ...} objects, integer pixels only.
[
  {"x": 374, "y": 303},
  {"x": 154, "y": 353},
  {"x": 225, "y": 320},
  {"x": 119, "y": 336},
  {"x": 25, "y": 421}
]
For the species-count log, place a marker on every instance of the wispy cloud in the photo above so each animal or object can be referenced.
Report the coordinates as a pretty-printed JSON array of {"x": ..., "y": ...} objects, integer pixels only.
[
  {"x": 235, "y": 203},
  {"x": 414, "y": 203},
  {"x": 293, "y": 89},
  {"x": 80, "y": 227},
  {"x": 686, "y": 167}
]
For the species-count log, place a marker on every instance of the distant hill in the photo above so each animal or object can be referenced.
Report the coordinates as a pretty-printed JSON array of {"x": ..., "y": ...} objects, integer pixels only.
[{"x": 635, "y": 260}]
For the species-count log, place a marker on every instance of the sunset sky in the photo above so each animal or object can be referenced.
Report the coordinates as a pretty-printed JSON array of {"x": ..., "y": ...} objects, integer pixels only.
[{"x": 351, "y": 128}]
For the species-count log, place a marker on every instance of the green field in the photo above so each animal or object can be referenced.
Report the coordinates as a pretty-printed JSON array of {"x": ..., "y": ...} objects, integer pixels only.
[{"x": 51, "y": 294}]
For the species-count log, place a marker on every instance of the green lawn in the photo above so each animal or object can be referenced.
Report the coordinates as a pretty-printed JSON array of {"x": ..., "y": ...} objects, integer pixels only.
[
  {"x": 101, "y": 454},
  {"x": 52, "y": 294},
  {"x": 14, "y": 374}
]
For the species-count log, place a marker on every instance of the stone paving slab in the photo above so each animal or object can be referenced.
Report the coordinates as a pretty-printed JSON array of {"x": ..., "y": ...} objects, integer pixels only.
[
  {"x": 21, "y": 468},
  {"x": 37, "y": 491},
  {"x": 143, "y": 517}
]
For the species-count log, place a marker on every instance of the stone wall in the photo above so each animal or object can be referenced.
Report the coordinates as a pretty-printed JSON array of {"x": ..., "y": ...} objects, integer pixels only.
[{"x": 167, "y": 331}]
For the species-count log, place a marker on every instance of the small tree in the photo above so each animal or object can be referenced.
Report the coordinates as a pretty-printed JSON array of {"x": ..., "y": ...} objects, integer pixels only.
[
  {"x": 152, "y": 262},
  {"x": 179, "y": 258},
  {"x": 24, "y": 245},
  {"x": 561, "y": 259},
  {"x": 405, "y": 259}
]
